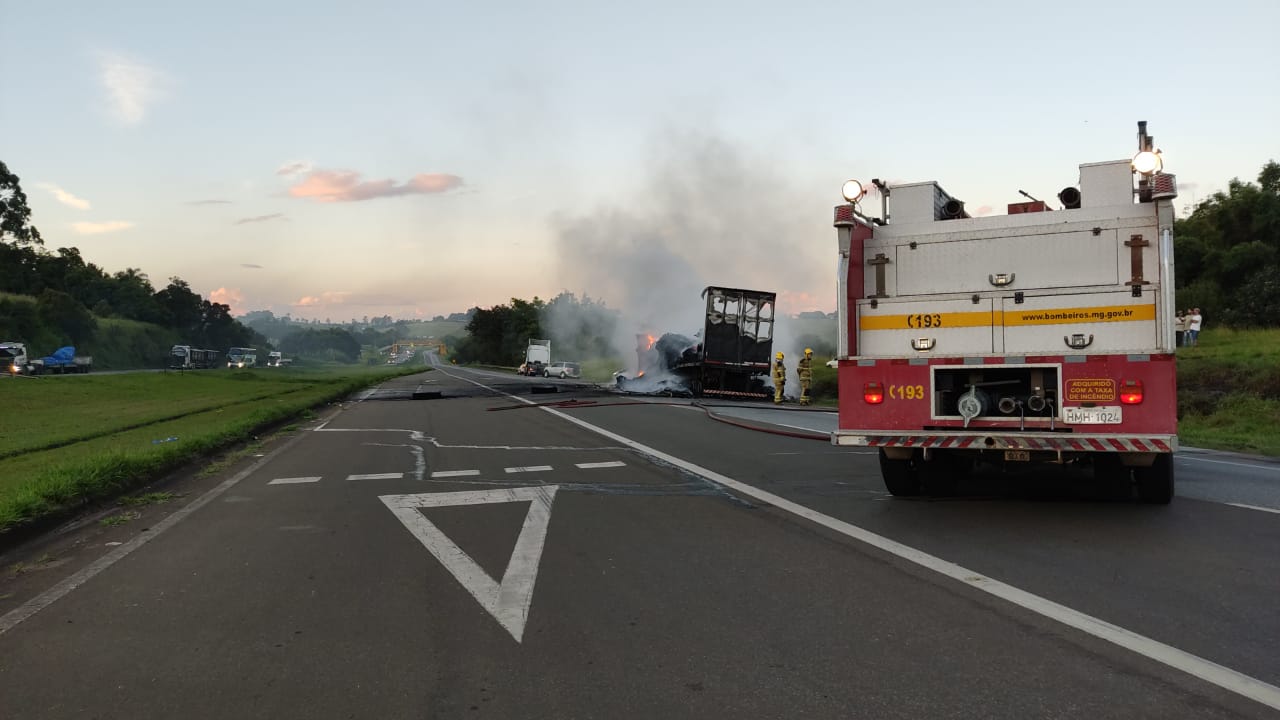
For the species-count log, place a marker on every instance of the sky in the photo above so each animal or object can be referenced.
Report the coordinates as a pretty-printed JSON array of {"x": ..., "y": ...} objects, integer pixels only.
[{"x": 337, "y": 160}]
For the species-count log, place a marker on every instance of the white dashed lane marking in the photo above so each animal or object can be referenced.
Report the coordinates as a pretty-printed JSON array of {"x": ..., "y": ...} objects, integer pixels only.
[{"x": 444, "y": 474}]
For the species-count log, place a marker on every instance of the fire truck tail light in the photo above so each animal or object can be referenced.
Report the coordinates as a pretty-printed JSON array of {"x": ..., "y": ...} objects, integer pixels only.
[
  {"x": 873, "y": 393},
  {"x": 1130, "y": 392}
]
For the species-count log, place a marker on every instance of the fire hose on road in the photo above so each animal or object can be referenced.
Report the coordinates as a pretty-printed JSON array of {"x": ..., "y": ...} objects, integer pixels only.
[{"x": 574, "y": 404}]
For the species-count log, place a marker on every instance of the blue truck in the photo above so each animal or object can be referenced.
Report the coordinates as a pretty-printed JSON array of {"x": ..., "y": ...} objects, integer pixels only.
[{"x": 63, "y": 360}]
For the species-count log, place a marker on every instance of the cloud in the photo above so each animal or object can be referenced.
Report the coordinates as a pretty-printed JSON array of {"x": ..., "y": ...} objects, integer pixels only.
[
  {"x": 347, "y": 186},
  {"x": 251, "y": 265},
  {"x": 983, "y": 211},
  {"x": 294, "y": 168},
  {"x": 209, "y": 202},
  {"x": 97, "y": 228},
  {"x": 348, "y": 298},
  {"x": 131, "y": 87},
  {"x": 261, "y": 218},
  {"x": 65, "y": 197},
  {"x": 231, "y": 297},
  {"x": 328, "y": 297}
]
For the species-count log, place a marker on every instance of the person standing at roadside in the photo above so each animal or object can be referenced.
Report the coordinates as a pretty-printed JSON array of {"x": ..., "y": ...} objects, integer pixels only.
[
  {"x": 1179, "y": 328},
  {"x": 1194, "y": 321}
]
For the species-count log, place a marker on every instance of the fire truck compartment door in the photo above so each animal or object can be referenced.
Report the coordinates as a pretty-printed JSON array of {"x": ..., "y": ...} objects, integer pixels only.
[
  {"x": 1054, "y": 260},
  {"x": 1081, "y": 323},
  {"x": 915, "y": 328}
]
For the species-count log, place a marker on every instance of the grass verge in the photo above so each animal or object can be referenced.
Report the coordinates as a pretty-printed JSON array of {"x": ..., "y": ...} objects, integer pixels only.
[{"x": 45, "y": 483}]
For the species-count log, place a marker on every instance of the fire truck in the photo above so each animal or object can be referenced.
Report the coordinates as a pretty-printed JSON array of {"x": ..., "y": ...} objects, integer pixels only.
[{"x": 1040, "y": 336}]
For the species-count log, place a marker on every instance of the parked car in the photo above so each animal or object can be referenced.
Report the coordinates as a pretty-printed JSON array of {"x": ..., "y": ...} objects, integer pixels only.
[{"x": 562, "y": 370}]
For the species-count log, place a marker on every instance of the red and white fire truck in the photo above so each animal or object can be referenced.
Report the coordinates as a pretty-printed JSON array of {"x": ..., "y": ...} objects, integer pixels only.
[{"x": 1045, "y": 335}]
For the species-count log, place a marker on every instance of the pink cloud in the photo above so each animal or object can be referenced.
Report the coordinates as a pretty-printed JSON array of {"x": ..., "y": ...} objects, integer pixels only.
[
  {"x": 231, "y": 297},
  {"x": 328, "y": 297},
  {"x": 347, "y": 186}
]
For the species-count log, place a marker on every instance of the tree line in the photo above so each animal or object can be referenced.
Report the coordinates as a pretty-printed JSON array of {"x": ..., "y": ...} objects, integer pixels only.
[
  {"x": 72, "y": 295},
  {"x": 1227, "y": 253},
  {"x": 579, "y": 329}
]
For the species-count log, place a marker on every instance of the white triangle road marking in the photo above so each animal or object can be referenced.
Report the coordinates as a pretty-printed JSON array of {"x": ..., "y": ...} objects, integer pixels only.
[{"x": 508, "y": 601}]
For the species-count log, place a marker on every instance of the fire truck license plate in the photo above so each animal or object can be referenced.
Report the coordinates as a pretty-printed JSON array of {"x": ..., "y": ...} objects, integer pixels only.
[{"x": 1092, "y": 415}]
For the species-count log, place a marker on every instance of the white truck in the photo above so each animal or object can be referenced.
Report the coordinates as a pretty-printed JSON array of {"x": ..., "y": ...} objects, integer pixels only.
[
  {"x": 537, "y": 355},
  {"x": 1039, "y": 336},
  {"x": 13, "y": 357}
]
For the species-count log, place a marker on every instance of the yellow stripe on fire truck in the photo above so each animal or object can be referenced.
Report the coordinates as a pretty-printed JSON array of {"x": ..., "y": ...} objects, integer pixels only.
[{"x": 1008, "y": 318}]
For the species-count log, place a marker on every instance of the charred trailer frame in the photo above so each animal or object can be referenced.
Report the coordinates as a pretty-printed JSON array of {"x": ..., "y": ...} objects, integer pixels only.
[{"x": 737, "y": 344}]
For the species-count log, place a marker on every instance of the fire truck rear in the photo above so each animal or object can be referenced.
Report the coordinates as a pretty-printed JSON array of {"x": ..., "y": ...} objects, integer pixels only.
[{"x": 1038, "y": 336}]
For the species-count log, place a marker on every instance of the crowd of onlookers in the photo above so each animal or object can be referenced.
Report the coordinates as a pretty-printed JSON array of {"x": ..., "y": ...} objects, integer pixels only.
[{"x": 1186, "y": 327}]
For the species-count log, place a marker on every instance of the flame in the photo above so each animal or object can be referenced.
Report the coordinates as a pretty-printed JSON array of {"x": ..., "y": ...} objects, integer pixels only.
[
  {"x": 641, "y": 374},
  {"x": 652, "y": 340}
]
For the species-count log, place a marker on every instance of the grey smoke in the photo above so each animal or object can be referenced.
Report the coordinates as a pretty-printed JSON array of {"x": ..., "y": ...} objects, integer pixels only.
[{"x": 708, "y": 212}]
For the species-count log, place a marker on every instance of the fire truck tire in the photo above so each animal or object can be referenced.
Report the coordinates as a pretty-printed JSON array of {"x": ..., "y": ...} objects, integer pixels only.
[
  {"x": 901, "y": 477},
  {"x": 1155, "y": 483},
  {"x": 941, "y": 475}
]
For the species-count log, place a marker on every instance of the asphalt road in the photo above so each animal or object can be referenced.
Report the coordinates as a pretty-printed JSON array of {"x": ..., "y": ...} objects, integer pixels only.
[{"x": 473, "y": 555}]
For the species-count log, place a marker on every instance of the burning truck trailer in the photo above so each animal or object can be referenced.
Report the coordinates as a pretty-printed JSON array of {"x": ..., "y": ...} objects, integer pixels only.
[{"x": 731, "y": 358}]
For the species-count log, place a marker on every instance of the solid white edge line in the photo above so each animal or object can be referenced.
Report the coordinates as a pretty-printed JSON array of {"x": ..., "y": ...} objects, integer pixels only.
[
  {"x": 1254, "y": 507},
  {"x": 12, "y": 618},
  {"x": 454, "y": 473},
  {"x": 377, "y": 476},
  {"x": 609, "y": 464},
  {"x": 1207, "y": 670},
  {"x": 529, "y": 468},
  {"x": 293, "y": 480},
  {"x": 1273, "y": 468}
]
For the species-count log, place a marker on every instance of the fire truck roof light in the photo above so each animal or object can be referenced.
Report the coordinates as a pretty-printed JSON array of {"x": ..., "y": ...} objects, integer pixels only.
[
  {"x": 853, "y": 191},
  {"x": 1147, "y": 163}
]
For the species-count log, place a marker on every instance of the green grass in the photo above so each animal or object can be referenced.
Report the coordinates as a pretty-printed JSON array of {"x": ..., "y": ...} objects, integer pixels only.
[
  {"x": 1229, "y": 391},
  {"x": 151, "y": 498},
  {"x": 40, "y": 481},
  {"x": 120, "y": 519}
]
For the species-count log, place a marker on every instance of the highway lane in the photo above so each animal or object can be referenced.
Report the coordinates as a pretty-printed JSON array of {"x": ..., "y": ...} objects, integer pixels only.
[
  {"x": 1210, "y": 475},
  {"x": 301, "y": 591}
]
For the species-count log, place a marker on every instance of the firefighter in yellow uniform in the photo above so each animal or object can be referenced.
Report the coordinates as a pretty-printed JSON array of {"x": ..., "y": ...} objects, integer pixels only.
[
  {"x": 779, "y": 379},
  {"x": 804, "y": 369}
]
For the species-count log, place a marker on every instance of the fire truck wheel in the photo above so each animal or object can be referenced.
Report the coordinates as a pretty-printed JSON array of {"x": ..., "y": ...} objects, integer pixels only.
[
  {"x": 941, "y": 475},
  {"x": 1113, "y": 478},
  {"x": 1155, "y": 483},
  {"x": 901, "y": 477}
]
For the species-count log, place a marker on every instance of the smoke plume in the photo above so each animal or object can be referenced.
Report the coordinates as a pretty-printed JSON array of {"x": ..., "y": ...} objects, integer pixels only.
[{"x": 707, "y": 212}]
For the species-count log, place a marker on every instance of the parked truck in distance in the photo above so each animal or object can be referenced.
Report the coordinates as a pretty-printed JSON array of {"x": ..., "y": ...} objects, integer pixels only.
[
  {"x": 13, "y": 358},
  {"x": 242, "y": 357},
  {"x": 536, "y": 356},
  {"x": 63, "y": 360},
  {"x": 185, "y": 357}
]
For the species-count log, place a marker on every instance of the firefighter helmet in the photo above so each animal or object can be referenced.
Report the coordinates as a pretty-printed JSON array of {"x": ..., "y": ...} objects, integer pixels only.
[
  {"x": 808, "y": 351},
  {"x": 778, "y": 356}
]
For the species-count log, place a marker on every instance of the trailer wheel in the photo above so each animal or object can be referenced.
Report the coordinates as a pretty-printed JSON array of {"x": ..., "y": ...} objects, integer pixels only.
[
  {"x": 901, "y": 477},
  {"x": 1155, "y": 483}
]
